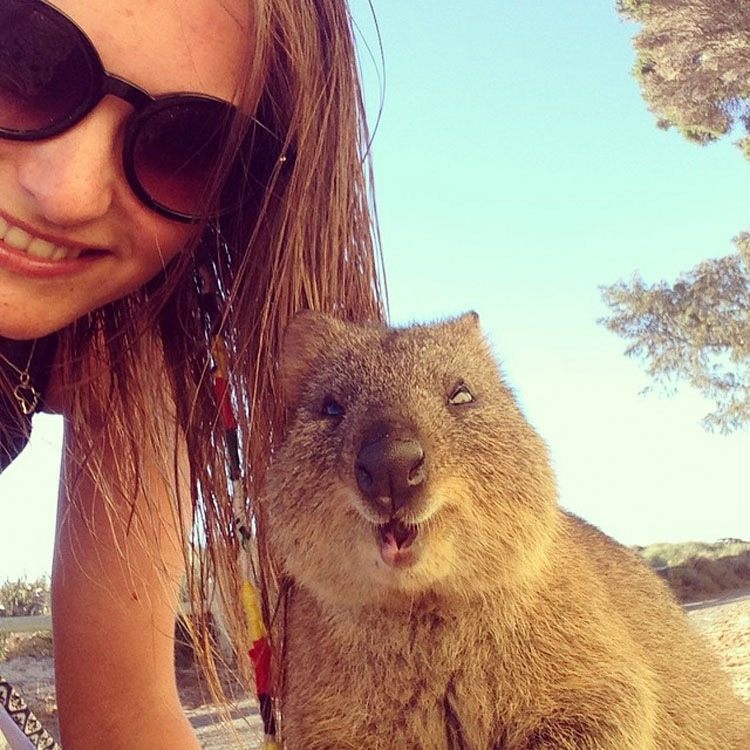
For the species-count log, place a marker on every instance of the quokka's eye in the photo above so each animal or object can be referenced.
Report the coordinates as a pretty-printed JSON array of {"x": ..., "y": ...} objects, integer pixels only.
[
  {"x": 460, "y": 395},
  {"x": 331, "y": 408}
]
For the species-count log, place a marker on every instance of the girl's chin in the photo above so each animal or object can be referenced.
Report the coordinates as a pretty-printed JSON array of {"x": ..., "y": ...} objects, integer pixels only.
[
  {"x": 24, "y": 316},
  {"x": 32, "y": 327}
]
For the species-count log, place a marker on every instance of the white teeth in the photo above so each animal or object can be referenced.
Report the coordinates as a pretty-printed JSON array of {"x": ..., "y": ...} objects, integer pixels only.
[
  {"x": 17, "y": 238},
  {"x": 39, "y": 248}
]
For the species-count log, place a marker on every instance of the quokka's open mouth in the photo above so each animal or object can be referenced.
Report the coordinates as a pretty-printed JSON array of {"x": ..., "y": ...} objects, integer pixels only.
[{"x": 397, "y": 534}]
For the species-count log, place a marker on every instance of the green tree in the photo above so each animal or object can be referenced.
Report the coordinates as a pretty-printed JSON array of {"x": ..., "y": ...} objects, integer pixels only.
[
  {"x": 695, "y": 330},
  {"x": 693, "y": 64}
]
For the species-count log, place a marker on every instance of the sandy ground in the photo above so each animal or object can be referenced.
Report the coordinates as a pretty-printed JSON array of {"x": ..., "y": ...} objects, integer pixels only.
[
  {"x": 724, "y": 621},
  {"x": 726, "y": 624},
  {"x": 33, "y": 678}
]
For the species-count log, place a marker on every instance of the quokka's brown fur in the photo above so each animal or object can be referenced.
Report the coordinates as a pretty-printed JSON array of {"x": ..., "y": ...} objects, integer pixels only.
[{"x": 508, "y": 623}]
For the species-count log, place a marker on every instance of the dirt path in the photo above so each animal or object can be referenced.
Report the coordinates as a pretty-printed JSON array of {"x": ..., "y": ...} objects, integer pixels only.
[
  {"x": 245, "y": 726},
  {"x": 725, "y": 622}
]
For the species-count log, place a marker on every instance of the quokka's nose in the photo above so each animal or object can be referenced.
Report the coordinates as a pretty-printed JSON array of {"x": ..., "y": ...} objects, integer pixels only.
[{"x": 390, "y": 471}]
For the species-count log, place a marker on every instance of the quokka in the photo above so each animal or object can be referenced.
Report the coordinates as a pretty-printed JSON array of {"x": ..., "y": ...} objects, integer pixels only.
[{"x": 440, "y": 597}]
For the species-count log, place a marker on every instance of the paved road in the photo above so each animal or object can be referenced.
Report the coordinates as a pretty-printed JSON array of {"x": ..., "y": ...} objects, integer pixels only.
[{"x": 740, "y": 595}]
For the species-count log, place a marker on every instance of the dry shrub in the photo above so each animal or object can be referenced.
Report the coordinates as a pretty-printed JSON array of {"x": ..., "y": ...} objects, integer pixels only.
[
  {"x": 24, "y": 598},
  {"x": 36, "y": 645},
  {"x": 701, "y": 578}
]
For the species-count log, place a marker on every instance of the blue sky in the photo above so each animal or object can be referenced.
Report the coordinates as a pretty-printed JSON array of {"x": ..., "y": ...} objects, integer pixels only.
[{"x": 517, "y": 169}]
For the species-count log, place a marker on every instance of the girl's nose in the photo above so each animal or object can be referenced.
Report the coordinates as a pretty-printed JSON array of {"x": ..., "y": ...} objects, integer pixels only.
[{"x": 72, "y": 178}]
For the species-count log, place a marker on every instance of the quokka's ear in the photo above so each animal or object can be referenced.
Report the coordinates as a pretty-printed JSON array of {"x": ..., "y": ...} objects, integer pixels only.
[
  {"x": 467, "y": 323},
  {"x": 305, "y": 342},
  {"x": 469, "y": 319}
]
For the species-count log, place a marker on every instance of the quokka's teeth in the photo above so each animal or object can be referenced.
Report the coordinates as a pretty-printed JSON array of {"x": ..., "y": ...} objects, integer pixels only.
[{"x": 3, "y": 227}]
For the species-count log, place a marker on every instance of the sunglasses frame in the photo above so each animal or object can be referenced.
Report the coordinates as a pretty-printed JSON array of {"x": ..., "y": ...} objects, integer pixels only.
[{"x": 144, "y": 105}]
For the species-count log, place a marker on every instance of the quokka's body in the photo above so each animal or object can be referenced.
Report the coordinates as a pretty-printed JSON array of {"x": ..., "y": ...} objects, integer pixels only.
[{"x": 441, "y": 598}]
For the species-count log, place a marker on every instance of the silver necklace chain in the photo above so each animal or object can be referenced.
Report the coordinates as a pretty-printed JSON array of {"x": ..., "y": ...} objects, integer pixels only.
[{"x": 24, "y": 392}]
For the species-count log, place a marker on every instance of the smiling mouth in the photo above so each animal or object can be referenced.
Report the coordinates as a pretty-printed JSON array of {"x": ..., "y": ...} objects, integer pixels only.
[
  {"x": 398, "y": 534},
  {"x": 20, "y": 239},
  {"x": 396, "y": 539}
]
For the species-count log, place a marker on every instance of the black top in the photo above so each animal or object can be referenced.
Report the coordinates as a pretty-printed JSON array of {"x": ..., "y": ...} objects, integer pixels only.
[{"x": 15, "y": 426}]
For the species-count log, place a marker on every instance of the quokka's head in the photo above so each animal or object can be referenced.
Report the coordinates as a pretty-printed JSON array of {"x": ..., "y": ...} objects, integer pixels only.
[{"x": 407, "y": 466}]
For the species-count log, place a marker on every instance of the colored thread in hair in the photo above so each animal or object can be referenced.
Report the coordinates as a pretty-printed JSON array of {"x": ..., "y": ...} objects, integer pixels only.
[{"x": 260, "y": 651}]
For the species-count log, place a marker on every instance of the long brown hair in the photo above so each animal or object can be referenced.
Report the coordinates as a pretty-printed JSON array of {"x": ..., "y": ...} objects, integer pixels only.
[{"x": 309, "y": 241}]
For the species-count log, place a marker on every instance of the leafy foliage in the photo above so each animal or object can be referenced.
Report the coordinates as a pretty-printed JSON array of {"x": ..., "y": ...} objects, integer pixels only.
[
  {"x": 695, "y": 330},
  {"x": 693, "y": 64},
  {"x": 34, "y": 645},
  {"x": 22, "y": 598}
]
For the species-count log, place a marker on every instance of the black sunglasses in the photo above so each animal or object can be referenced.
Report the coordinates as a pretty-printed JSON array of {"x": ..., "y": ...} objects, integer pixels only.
[{"x": 51, "y": 77}]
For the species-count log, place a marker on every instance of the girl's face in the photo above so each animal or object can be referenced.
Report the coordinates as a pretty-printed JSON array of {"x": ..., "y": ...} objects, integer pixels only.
[{"x": 70, "y": 190}]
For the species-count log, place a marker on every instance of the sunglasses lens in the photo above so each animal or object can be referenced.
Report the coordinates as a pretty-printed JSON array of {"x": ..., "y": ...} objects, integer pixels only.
[
  {"x": 177, "y": 146},
  {"x": 46, "y": 73}
]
